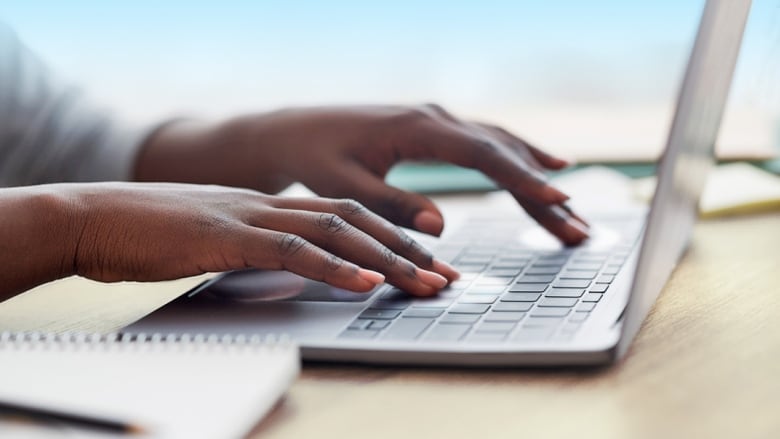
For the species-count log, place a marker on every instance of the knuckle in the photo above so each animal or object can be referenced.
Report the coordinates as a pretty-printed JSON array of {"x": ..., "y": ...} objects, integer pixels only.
[
  {"x": 333, "y": 262},
  {"x": 412, "y": 115},
  {"x": 288, "y": 244},
  {"x": 349, "y": 207},
  {"x": 485, "y": 146},
  {"x": 331, "y": 223},
  {"x": 410, "y": 245},
  {"x": 434, "y": 108},
  {"x": 389, "y": 257}
]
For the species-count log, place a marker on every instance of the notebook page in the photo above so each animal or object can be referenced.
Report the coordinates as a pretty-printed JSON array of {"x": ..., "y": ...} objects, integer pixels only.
[{"x": 191, "y": 389}]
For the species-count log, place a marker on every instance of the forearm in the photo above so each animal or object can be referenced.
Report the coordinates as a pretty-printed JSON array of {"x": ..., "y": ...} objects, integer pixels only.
[
  {"x": 37, "y": 237},
  {"x": 225, "y": 153}
]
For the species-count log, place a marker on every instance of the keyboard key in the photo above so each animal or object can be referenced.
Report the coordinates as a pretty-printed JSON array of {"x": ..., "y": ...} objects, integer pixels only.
[
  {"x": 359, "y": 324},
  {"x": 468, "y": 309},
  {"x": 379, "y": 314},
  {"x": 550, "y": 312},
  {"x": 505, "y": 316},
  {"x": 496, "y": 327},
  {"x": 586, "y": 267},
  {"x": 433, "y": 302},
  {"x": 391, "y": 304},
  {"x": 552, "y": 260},
  {"x": 447, "y": 332},
  {"x": 605, "y": 279},
  {"x": 564, "y": 292},
  {"x": 611, "y": 269},
  {"x": 459, "y": 284},
  {"x": 406, "y": 329},
  {"x": 572, "y": 283},
  {"x": 598, "y": 288},
  {"x": 460, "y": 318},
  {"x": 547, "y": 322},
  {"x": 379, "y": 324},
  {"x": 449, "y": 294},
  {"x": 488, "y": 280},
  {"x": 550, "y": 269},
  {"x": 483, "y": 299},
  {"x": 513, "y": 261},
  {"x": 349, "y": 333},
  {"x": 423, "y": 312},
  {"x": 592, "y": 297},
  {"x": 589, "y": 260},
  {"x": 486, "y": 289},
  {"x": 512, "y": 306},
  {"x": 535, "y": 278},
  {"x": 579, "y": 274},
  {"x": 520, "y": 297},
  {"x": 474, "y": 260},
  {"x": 471, "y": 268},
  {"x": 503, "y": 272},
  {"x": 528, "y": 288},
  {"x": 558, "y": 302},
  {"x": 586, "y": 307}
]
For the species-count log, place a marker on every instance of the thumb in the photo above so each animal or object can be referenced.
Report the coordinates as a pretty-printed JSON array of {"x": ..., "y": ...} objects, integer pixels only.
[{"x": 400, "y": 207}]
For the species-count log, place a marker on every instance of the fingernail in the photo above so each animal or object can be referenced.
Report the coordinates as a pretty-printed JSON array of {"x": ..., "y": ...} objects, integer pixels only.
[
  {"x": 569, "y": 161},
  {"x": 559, "y": 196},
  {"x": 428, "y": 222},
  {"x": 574, "y": 215},
  {"x": 578, "y": 225},
  {"x": 371, "y": 276},
  {"x": 430, "y": 278},
  {"x": 450, "y": 272}
]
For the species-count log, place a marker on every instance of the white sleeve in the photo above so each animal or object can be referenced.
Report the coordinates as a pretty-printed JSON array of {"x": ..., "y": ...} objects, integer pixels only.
[{"x": 49, "y": 132}]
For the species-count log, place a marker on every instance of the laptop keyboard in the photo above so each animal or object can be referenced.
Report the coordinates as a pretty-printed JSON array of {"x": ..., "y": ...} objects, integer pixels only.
[{"x": 507, "y": 292}]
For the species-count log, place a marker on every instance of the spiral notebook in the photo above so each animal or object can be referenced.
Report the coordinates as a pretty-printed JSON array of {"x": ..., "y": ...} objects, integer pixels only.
[{"x": 168, "y": 386}]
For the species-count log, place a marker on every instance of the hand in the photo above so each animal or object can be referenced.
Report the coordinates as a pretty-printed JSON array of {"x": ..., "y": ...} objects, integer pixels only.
[
  {"x": 347, "y": 152},
  {"x": 149, "y": 232}
]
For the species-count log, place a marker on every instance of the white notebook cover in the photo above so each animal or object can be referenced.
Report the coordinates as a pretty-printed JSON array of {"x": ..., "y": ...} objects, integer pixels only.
[{"x": 191, "y": 388}]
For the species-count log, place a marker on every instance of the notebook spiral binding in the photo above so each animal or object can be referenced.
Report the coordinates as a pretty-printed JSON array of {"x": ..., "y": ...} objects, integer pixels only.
[{"x": 81, "y": 340}]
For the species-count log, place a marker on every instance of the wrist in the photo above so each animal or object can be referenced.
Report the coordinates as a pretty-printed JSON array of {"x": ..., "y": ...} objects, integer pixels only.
[
  {"x": 40, "y": 238},
  {"x": 238, "y": 152}
]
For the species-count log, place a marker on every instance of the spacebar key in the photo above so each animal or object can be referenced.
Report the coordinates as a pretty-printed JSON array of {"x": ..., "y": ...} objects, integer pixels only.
[{"x": 407, "y": 329}]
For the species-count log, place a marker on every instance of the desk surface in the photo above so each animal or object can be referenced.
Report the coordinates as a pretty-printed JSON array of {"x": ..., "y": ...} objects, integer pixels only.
[{"x": 706, "y": 363}]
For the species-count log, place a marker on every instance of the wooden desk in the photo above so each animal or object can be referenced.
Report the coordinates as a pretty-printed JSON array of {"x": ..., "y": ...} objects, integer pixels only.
[{"x": 706, "y": 363}]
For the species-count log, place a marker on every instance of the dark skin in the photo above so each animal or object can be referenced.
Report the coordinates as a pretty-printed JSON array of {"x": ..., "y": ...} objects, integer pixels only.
[{"x": 157, "y": 231}]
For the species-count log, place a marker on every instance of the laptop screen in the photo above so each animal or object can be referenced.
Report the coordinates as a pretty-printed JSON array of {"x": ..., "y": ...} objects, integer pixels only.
[{"x": 688, "y": 156}]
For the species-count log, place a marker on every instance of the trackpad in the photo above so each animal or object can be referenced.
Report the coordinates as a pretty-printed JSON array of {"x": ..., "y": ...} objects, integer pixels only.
[{"x": 264, "y": 286}]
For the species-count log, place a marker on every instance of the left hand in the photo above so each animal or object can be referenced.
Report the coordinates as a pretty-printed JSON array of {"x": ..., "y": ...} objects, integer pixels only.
[{"x": 346, "y": 152}]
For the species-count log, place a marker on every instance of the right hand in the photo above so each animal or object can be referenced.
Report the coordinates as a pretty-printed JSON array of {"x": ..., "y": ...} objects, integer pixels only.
[{"x": 152, "y": 232}]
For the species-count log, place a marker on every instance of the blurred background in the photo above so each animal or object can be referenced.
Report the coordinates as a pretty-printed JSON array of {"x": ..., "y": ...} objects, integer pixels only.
[{"x": 595, "y": 81}]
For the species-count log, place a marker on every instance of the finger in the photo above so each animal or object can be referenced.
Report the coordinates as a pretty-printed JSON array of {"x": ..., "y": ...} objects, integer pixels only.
[
  {"x": 390, "y": 235},
  {"x": 270, "y": 250},
  {"x": 332, "y": 233},
  {"x": 517, "y": 148},
  {"x": 465, "y": 146},
  {"x": 403, "y": 208},
  {"x": 557, "y": 221},
  {"x": 542, "y": 158}
]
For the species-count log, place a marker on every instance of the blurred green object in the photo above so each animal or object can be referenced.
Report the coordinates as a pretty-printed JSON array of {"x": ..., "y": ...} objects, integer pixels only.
[{"x": 439, "y": 178}]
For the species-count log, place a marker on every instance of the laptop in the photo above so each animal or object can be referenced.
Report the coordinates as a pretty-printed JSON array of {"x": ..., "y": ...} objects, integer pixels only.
[{"x": 520, "y": 301}]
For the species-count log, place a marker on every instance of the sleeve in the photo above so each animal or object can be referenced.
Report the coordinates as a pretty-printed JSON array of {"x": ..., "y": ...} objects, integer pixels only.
[{"x": 49, "y": 132}]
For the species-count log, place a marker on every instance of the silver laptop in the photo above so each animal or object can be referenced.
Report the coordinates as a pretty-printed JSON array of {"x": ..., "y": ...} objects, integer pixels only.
[{"x": 517, "y": 304}]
